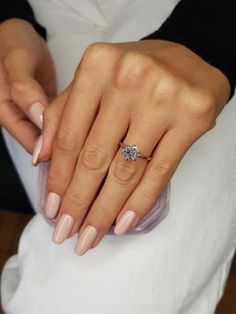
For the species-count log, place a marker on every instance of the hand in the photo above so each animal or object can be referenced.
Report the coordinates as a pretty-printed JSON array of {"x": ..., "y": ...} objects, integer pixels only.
[
  {"x": 27, "y": 79},
  {"x": 156, "y": 94}
]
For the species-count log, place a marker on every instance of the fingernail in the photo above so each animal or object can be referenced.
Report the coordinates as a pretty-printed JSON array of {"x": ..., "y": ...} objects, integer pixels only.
[
  {"x": 52, "y": 205},
  {"x": 86, "y": 240},
  {"x": 36, "y": 113},
  {"x": 63, "y": 229},
  {"x": 37, "y": 150},
  {"x": 124, "y": 222}
]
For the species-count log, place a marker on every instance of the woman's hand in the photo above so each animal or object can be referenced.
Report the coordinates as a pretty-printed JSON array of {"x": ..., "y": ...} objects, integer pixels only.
[
  {"x": 27, "y": 79},
  {"x": 155, "y": 94}
]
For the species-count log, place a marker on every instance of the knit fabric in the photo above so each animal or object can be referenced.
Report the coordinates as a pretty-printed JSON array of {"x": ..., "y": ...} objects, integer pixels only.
[
  {"x": 207, "y": 27},
  {"x": 22, "y": 10}
]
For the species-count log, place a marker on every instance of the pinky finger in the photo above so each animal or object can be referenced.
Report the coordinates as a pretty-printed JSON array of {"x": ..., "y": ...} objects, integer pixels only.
[{"x": 158, "y": 173}]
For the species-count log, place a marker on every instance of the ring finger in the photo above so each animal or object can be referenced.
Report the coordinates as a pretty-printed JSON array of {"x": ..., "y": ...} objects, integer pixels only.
[
  {"x": 123, "y": 176},
  {"x": 158, "y": 173}
]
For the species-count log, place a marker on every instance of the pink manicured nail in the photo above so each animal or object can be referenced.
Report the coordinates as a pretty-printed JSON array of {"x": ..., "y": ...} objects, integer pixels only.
[
  {"x": 37, "y": 150},
  {"x": 63, "y": 229},
  {"x": 36, "y": 113},
  {"x": 125, "y": 222},
  {"x": 52, "y": 205},
  {"x": 86, "y": 240}
]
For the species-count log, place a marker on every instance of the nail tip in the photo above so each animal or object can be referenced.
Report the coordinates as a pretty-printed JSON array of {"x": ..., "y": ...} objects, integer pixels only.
[
  {"x": 55, "y": 241},
  {"x": 48, "y": 213},
  {"x": 63, "y": 229},
  {"x": 52, "y": 205},
  {"x": 118, "y": 233},
  {"x": 50, "y": 216},
  {"x": 79, "y": 253},
  {"x": 36, "y": 113},
  {"x": 85, "y": 240},
  {"x": 36, "y": 152},
  {"x": 35, "y": 163},
  {"x": 124, "y": 223}
]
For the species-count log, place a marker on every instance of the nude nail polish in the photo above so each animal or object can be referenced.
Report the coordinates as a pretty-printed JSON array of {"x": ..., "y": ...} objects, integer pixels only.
[
  {"x": 52, "y": 205},
  {"x": 124, "y": 222},
  {"x": 86, "y": 240},
  {"x": 37, "y": 150},
  {"x": 36, "y": 113},
  {"x": 63, "y": 228}
]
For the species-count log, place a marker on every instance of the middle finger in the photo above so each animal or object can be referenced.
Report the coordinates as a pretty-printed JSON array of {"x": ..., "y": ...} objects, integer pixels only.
[{"x": 109, "y": 128}]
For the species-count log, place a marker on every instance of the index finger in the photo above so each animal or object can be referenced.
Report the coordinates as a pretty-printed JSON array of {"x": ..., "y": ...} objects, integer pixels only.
[{"x": 12, "y": 118}]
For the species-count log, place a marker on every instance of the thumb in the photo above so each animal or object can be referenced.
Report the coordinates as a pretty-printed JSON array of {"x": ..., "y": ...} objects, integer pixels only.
[{"x": 26, "y": 92}]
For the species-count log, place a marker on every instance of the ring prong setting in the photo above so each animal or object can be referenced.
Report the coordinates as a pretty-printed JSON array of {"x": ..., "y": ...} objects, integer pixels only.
[{"x": 130, "y": 152}]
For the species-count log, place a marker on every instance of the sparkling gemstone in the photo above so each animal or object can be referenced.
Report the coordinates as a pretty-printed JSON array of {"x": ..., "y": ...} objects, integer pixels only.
[{"x": 130, "y": 152}]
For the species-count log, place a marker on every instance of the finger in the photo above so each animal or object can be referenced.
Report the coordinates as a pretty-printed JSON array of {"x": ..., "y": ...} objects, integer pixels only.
[
  {"x": 31, "y": 98},
  {"x": 26, "y": 56},
  {"x": 51, "y": 120},
  {"x": 79, "y": 113},
  {"x": 19, "y": 126},
  {"x": 123, "y": 176},
  {"x": 94, "y": 161},
  {"x": 26, "y": 92},
  {"x": 46, "y": 74},
  {"x": 13, "y": 119},
  {"x": 158, "y": 173}
]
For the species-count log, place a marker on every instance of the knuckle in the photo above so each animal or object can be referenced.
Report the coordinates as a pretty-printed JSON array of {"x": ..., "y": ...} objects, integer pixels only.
[
  {"x": 210, "y": 107},
  {"x": 168, "y": 86},
  {"x": 101, "y": 218},
  {"x": 202, "y": 110},
  {"x": 161, "y": 169},
  {"x": 93, "y": 158},
  {"x": 124, "y": 171},
  {"x": 97, "y": 51},
  {"x": 57, "y": 180},
  {"x": 202, "y": 105},
  {"x": 19, "y": 52},
  {"x": 73, "y": 200},
  {"x": 132, "y": 68},
  {"x": 53, "y": 183},
  {"x": 65, "y": 141},
  {"x": 17, "y": 87},
  {"x": 105, "y": 215},
  {"x": 145, "y": 199},
  {"x": 96, "y": 56},
  {"x": 171, "y": 84}
]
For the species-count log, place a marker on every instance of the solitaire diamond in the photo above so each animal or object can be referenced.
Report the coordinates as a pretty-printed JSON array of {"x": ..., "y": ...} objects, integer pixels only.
[{"x": 130, "y": 152}]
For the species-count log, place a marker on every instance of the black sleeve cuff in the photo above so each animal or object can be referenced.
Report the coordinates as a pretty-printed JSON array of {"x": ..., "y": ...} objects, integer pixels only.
[
  {"x": 22, "y": 10},
  {"x": 208, "y": 28}
]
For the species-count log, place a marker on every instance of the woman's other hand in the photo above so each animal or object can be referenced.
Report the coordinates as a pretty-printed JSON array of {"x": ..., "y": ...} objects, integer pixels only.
[
  {"x": 27, "y": 80},
  {"x": 156, "y": 94}
]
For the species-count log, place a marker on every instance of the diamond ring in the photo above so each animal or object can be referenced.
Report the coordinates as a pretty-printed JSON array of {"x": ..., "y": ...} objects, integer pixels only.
[{"x": 131, "y": 152}]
